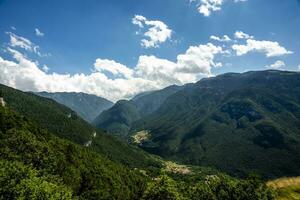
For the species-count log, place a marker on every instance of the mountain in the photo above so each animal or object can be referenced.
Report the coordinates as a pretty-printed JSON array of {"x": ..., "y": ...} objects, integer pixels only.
[
  {"x": 37, "y": 165},
  {"x": 86, "y": 105},
  {"x": 119, "y": 118},
  {"x": 66, "y": 124},
  {"x": 238, "y": 123}
]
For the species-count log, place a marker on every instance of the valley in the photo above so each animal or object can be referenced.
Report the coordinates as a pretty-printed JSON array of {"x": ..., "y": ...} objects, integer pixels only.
[{"x": 206, "y": 140}]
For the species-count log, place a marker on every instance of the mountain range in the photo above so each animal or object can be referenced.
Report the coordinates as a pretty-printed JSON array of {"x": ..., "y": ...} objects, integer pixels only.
[
  {"x": 237, "y": 122},
  {"x": 47, "y": 151},
  {"x": 65, "y": 123},
  {"x": 118, "y": 119}
]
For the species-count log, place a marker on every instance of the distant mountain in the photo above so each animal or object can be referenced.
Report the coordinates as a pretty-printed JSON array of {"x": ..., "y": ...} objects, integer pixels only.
[
  {"x": 118, "y": 119},
  {"x": 86, "y": 105},
  {"x": 238, "y": 123},
  {"x": 65, "y": 123}
]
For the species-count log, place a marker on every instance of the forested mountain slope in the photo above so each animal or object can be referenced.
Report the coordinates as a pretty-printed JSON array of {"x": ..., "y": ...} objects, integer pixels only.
[
  {"x": 238, "y": 123},
  {"x": 35, "y": 164},
  {"x": 118, "y": 119},
  {"x": 66, "y": 124}
]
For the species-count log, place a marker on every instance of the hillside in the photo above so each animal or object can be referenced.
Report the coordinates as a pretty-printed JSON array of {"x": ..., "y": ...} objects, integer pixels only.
[
  {"x": 87, "y": 106},
  {"x": 238, "y": 123},
  {"x": 286, "y": 188},
  {"x": 118, "y": 119},
  {"x": 66, "y": 124},
  {"x": 34, "y": 164},
  {"x": 37, "y": 165}
]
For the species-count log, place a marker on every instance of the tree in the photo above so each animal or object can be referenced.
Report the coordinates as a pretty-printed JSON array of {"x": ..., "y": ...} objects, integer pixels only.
[{"x": 162, "y": 188}]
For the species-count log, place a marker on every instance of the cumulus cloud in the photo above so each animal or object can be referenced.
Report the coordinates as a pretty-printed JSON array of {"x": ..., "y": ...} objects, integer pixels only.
[
  {"x": 242, "y": 35},
  {"x": 270, "y": 48},
  {"x": 150, "y": 73},
  {"x": 199, "y": 59},
  {"x": 209, "y": 6},
  {"x": 278, "y": 64},
  {"x": 38, "y": 32},
  {"x": 206, "y": 7},
  {"x": 105, "y": 65},
  {"x": 196, "y": 61},
  {"x": 114, "y": 81},
  {"x": 225, "y": 38},
  {"x": 157, "y": 31}
]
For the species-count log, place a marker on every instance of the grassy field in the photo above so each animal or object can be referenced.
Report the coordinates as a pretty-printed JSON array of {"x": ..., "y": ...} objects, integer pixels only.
[{"x": 287, "y": 188}]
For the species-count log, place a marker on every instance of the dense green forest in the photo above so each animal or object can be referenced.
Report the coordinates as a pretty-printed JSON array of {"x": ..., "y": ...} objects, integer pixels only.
[
  {"x": 119, "y": 119},
  {"x": 65, "y": 123},
  {"x": 237, "y": 122},
  {"x": 37, "y": 165}
]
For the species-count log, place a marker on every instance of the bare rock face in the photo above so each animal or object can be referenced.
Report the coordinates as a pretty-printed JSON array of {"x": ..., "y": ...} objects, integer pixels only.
[{"x": 2, "y": 102}]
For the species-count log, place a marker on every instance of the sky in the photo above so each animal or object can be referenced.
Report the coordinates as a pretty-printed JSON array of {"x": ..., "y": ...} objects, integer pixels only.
[{"x": 118, "y": 48}]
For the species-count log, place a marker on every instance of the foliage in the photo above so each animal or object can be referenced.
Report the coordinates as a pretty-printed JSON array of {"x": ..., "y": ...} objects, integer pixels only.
[
  {"x": 237, "y": 123},
  {"x": 34, "y": 164},
  {"x": 163, "y": 188},
  {"x": 118, "y": 120},
  {"x": 64, "y": 123},
  {"x": 212, "y": 188},
  {"x": 44, "y": 166},
  {"x": 18, "y": 181}
]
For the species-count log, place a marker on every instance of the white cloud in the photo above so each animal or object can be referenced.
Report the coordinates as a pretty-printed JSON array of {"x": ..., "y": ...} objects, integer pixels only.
[
  {"x": 114, "y": 81},
  {"x": 298, "y": 68},
  {"x": 278, "y": 64},
  {"x": 13, "y": 28},
  {"x": 161, "y": 71},
  {"x": 24, "y": 43},
  {"x": 206, "y": 7},
  {"x": 199, "y": 59},
  {"x": 271, "y": 49},
  {"x": 18, "y": 41},
  {"x": 45, "y": 68},
  {"x": 157, "y": 33},
  {"x": 150, "y": 73},
  {"x": 139, "y": 20},
  {"x": 105, "y": 65},
  {"x": 242, "y": 35},
  {"x": 225, "y": 38},
  {"x": 38, "y": 33}
]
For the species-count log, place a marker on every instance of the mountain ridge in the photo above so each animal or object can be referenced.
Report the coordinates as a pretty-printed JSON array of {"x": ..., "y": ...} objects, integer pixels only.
[
  {"x": 119, "y": 118},
  {"x": 87, "y": 106},
  {"x": 257, "y": 110},
  {"x": 66, "y": 124}
]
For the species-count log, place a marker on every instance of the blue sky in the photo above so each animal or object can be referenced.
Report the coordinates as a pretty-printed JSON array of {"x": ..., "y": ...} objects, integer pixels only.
[{"x": 75, "y": 33}]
